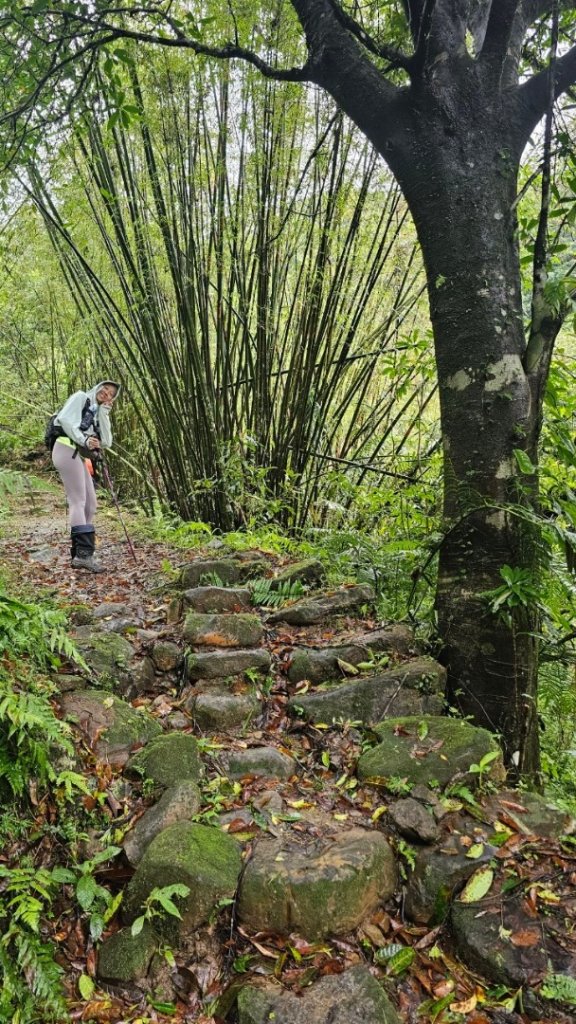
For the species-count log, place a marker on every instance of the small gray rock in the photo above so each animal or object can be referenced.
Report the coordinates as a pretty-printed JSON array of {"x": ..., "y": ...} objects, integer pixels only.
[
  {"x": 413, "y": 821},
  {"x": 178, "y": 803},
  {"x": 266, "y": 761}
]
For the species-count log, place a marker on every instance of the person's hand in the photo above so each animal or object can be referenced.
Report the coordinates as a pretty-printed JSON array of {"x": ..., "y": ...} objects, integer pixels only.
[{"x": 93, "y": 443}]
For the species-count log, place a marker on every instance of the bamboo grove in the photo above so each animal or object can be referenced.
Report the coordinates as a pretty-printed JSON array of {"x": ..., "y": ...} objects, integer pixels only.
[{"x": 249, "y": 270}]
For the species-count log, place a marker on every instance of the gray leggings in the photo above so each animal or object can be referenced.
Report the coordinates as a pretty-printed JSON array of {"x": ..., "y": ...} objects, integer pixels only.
[{"x": 78, "y": 485}]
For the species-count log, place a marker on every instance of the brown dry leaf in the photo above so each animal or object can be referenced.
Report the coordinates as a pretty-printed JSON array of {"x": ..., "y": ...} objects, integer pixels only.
[
  {"x": 514, "y": 807},
  {"x": 91, "y": 963},
  {"x": 373, "y": 933},
  {"x": 271, "y": 953},
  {"x": 525, "y": 938},
  {"x": 97, "y": 1009},
  {"x": 443, "y": 988}
]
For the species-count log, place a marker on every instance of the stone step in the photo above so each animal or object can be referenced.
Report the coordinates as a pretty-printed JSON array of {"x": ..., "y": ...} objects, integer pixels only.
[
  {"x": 310, "y": 611},
  {"x": 228, "y": 570},
  {"x": 323, "y": 887},
  {"x": 215, "y": 600},
  {"x": 353, "y": 997},
  {"x": 227, "y": 630},
  {"x": 432, "y": 748},
  {"x": 218, "y": 664},
  {"x": 217, "y": 710},
  {"x": 415, "y": 687},
  {"x": 320, "y": 663},
  {"x": 310, "y": 572}
]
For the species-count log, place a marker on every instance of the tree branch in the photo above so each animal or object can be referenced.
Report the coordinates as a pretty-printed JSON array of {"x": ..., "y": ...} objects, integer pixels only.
[
  {"x": 499, "y": 30},
  {"x": 424, "y": 29},
  {"x": 181, "y": 41},
  {"x": 389, "y": 53},
  {"x": 534, "y": 94}
]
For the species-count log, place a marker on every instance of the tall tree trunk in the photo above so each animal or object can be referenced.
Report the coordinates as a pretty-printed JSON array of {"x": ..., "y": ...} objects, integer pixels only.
[{"x": 460, "y": 183}]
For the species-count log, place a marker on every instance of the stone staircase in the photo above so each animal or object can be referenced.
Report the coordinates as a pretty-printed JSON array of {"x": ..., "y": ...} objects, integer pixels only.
[{"x": 251, "y": 686}]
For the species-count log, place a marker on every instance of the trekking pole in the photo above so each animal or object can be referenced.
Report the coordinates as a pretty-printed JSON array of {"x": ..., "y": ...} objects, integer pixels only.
[{"x": 110, "y": 486}]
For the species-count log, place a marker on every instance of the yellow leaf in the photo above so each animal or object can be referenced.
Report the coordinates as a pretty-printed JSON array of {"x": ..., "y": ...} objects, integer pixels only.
[
  {"x": 466, "y": 1006},
  {"x": 477, "y": 886},
  {"x": 379, "y": 812},
  {"x": 475, "y": 851}
]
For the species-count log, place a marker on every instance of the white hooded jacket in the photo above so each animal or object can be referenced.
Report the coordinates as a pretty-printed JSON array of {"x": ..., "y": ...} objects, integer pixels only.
[{"x": 70, "y": 416}]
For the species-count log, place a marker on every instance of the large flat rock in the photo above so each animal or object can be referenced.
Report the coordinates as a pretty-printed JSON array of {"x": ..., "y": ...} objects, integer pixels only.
[
  {"x": 323, "y": 888},
  {"x": 216, "y": 600},
  {"x": 354, "y": 997},
  {"x": 219, "y": 664},
  {"x": 225, "y": 630},
  {"x": 313, "y": 610},
  {"x": 423, "y": 748},
  {"x": 223, "y": 570},
  {"x": 110, "y": 726},
  {"x": 318, "y": 664},
  {"x": 413, "y": 688}
]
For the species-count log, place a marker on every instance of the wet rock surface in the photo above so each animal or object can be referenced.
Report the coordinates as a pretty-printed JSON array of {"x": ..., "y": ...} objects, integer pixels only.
[
  {"x": 324, "y": 887},
  {"x": 302, "y": 819}
]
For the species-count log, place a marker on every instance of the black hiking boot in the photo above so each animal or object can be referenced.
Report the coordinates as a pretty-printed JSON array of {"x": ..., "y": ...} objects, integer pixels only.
[{"x": 82, "y": 549}]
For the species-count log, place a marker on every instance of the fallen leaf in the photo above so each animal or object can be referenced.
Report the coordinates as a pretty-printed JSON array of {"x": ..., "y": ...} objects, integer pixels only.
[
  {"x": 477, "y": 886},
  {"x": 464, "y": 1007},
  {"x": 525, "y": 938}
]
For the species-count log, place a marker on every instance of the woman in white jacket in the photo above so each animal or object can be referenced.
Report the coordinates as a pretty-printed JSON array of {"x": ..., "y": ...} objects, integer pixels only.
[{"x": 84, "y": 427}]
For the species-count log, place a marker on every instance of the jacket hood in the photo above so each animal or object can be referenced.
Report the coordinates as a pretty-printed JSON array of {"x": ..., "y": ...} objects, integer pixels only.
[{"x": 94, "y": 391}]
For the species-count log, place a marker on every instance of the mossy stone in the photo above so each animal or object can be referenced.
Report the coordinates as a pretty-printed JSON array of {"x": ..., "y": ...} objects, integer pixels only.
[
  {"x": 325, "y": 888},
  {"x": 353, "y": 997},
  {"x": 124, "y": 957},
  {"x": 109, "y": 657},
  {"x": 226, "y": 630},
  {"x": 205, "y": 859},
  {"x": 413, "y": 687},
  {"x": 167, "y": 760},
  {"x": 110, "y": 726},
  {"x": 429, "y": 747},
  {"x": 179, "y": 803},
  {"x": 219, "y": 711}
]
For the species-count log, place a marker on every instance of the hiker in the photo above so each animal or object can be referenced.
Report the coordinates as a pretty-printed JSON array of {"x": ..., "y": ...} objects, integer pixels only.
[{"x": 83, "y": 428}]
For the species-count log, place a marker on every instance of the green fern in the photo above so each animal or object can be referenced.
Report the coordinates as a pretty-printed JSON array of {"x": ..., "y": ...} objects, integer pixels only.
[
  {"x": 30, "y": 978},
  {"x": 561, "y": 988},
  {"x": 38, "y": 633},
  {"x": 31, "y": 736},
  {"x": 270, "y": 594},
  {"x": 210, "y": 579}
]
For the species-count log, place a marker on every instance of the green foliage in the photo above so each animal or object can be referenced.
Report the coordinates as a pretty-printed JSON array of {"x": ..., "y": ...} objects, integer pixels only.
[
  {"x": 97, "y": 902},
  {"x": 35, "y": 631},
  {"x": 561, "y": 988},
  {"x": 268, "y": 594},
  {"x": 160, "y": 903},
  {"x": 519, "y": 590},
  {"x": 31, "y": 980},
  {"x": 30, "y": 735}
]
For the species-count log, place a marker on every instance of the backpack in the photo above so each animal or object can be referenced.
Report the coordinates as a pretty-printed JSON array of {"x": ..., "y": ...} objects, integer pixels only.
[{"x": 53, "y": 432}]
